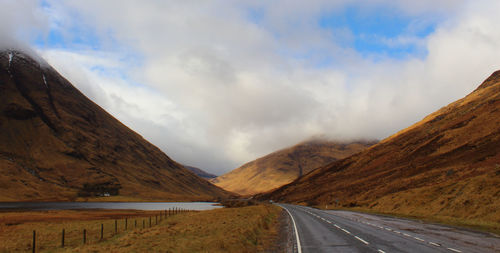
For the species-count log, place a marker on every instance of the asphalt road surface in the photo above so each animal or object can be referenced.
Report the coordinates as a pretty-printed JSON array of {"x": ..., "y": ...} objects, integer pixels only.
[{"x": 343, "y": 231}]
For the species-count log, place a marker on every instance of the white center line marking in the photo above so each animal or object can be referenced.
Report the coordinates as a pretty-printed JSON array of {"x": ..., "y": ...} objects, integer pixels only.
[
  {"x": 397, "y": 232},
  {"x": 329, "y": 221},
  {"x": 388, "y": 229},
  {"x": 381, "y": 251},
  {"x": 435, "y": 244},
  {"x": 452, "y": 249},
  {"x": 420, "y": 239},
  {"x": 365, "y": 242},
  {"x": 336, "y": 226},
  {"x": 345, "y": 231},
  {"x": 405, "y": 234}
]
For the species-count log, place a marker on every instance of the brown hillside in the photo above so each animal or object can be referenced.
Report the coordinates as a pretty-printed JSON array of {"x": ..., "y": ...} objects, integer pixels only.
[
  {"x": 446, "y": 165},
  {"x": 284, "y": 166},
  {"x": 56, "y": 144}
]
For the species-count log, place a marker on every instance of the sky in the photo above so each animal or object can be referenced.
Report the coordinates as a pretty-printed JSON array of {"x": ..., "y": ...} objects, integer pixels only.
[{"x": 216, "y": 84}]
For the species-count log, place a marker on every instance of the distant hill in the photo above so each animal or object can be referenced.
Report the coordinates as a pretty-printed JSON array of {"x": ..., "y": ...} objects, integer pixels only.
[
  {"x": 201, "y": 173},
  {"x": 56, "y": 144},
  {"x": 448, "y": 165},
  {"x": 284, "y": 166}
]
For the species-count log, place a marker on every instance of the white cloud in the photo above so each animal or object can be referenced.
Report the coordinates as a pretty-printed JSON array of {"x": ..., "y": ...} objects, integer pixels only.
[
  {"x": 20, "y": 21},
  {"x": 215, "y": 88}
]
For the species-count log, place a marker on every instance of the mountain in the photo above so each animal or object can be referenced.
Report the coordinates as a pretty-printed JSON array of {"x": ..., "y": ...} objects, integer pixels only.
[
  {"x": 201, "y": 173},
  {"x": 284, "y": 166},
  {"x": 56, "y": 144},
  {"x": 448, "y": 164}
]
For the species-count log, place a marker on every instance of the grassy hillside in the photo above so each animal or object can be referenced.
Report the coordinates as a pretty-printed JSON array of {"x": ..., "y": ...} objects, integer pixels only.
[
  {"x": 56, "y": 144},
  {"x": 447, "y": 165},
  {"x": 284, "y": 166}
]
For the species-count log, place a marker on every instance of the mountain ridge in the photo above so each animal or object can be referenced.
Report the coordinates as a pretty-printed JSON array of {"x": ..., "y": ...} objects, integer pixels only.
[
  {"x": 283, "y": 166},
  {"x": 447, "y": 164},
  {"x": 56, "y": 144},
  {"x": 199, "y": 172}
]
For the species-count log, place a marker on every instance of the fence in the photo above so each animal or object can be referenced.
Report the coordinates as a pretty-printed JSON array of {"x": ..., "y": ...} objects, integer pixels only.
[{"x": 106, "y": 230}]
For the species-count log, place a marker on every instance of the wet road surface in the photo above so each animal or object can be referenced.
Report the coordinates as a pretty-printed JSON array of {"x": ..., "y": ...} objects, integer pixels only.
[{"x": 344, "y": 231}]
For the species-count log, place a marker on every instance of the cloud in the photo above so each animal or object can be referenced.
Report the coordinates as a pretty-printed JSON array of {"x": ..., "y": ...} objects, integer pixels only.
[
  {"x": 20, "y": 22},
  {"x": 216, "y": 84}
]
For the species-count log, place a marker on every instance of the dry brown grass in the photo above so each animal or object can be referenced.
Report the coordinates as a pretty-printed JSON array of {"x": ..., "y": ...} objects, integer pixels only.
[
  {"x": 16, "y": 228},
  {"x": 246, "y": 229}
]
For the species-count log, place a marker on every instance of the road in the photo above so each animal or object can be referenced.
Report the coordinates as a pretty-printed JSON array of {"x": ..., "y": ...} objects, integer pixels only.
[{"x": 344, "y": 231}]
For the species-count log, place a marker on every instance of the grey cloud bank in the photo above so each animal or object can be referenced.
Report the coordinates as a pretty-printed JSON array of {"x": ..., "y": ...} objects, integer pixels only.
[{"x": 214, "y": 89}]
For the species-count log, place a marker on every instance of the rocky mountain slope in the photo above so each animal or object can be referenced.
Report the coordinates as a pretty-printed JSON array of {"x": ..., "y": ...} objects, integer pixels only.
[
  {"x": 56, "y": 144},
  {"x": 448, "y": 164},
  {"x": 201, "y": 173},
  {"x": 284, "y": 166}
]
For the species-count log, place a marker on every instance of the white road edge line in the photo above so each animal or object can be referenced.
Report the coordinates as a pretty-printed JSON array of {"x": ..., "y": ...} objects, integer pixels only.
[
  {"x": 381, "y": 251},
  {"x": 299, "y": 249},
  {"x": 345, "y": 231},
  {"x": 435, "y": 244},
  {"x": 452, "y": 249},
  {"x": 365, "y": 242}
]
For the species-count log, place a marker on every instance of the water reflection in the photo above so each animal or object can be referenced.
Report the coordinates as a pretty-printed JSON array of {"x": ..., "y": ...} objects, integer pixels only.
[{"x": 147, "y": 206}]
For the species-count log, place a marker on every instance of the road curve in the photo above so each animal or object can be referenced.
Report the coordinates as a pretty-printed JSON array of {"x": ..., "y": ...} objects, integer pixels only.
[{"x": 344, "y": 231}]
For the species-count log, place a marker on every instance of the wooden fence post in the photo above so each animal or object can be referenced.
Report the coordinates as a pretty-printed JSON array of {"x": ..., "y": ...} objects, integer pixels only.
[
  {"x": 102, "y": 231},
  {"x": 156, "y": 219},
  {"x": 116, "y": 227},
  {"x": 126, "y": 223},
  {"x": 84, "y": 236},
  {"x": 149, "y": 221},
  {"x": 135, "y": 223},
  {"x": 143, "y": 223},
  {"x": 62, "y": 239},
  {"x": 34, "y": 241}
]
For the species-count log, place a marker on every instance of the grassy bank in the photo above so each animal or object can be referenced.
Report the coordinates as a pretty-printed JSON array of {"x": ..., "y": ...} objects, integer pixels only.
[{"x": 245, "y": 229}]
